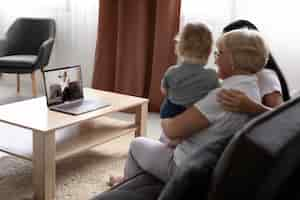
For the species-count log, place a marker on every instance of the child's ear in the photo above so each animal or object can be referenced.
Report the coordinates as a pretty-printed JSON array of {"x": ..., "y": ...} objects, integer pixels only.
[
  {"x": 231, "y": 61},
  {"x": 176, "y": 49},
  {"x": 210, "y": 51}
]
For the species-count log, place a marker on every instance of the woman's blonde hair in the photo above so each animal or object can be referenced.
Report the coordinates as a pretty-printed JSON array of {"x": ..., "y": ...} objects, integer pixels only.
[
  {"x": 248, "y": 48},
  {"x": 194, "y": 43}
]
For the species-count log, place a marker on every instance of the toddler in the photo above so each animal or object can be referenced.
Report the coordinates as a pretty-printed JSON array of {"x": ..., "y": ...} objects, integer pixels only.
[{"x": 189, "y": 81}]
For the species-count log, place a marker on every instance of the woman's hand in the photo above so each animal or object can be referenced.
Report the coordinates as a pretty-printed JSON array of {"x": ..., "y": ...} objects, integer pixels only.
[
  {"x": 173, "y": 143},
  {"x": 237, "y": 101}
]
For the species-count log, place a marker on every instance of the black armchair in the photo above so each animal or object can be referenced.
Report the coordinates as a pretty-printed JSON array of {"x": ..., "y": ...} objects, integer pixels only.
[{"x": 27, "y": 47}]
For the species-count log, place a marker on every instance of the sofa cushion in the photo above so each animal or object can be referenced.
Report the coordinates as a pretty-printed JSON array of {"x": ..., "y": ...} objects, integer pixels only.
[
  {"x": 261, "y": 157},
  {"x": 289, "y": 189},
  {"x": 18, "y": 60},
  {"x": 20, "y": 63},
  {"x": 191, "y": 181}
]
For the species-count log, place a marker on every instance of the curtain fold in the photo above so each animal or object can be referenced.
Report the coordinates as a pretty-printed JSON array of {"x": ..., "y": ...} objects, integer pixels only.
[
  {"x": 166, "y": 27},
  {"x": 135, "y": 46}
]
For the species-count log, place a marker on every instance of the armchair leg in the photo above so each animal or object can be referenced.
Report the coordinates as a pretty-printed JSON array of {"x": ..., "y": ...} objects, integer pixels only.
[
  {"x": 34, "y": 90},
  {"x": 18, "y": 83}
]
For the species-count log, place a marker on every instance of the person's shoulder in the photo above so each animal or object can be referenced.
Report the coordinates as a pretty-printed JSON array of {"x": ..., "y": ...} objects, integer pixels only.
[
  {"x": 268, "y": 81},
  {"x": 267, "y": 76},
  {"x": 172, "y": 69},
  {"x": 176, "y": 72},
  {"x": 237, "y": 80},
  {"x": 210, "y": 72},
  {"x": 244, "y": 83},
  {"x": 211, "y": 77},
  {"x": 266, "y": 73}
]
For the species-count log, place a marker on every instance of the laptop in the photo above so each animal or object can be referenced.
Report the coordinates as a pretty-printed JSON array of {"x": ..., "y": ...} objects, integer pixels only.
[{"x": 64, "y": 91}]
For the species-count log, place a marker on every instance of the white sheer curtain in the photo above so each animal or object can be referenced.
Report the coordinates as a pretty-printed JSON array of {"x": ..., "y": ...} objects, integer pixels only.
[
  {"x": 215, "y": 13},
  {"x": 76, "y": 22},
  {"x": 277, "y": 20}
]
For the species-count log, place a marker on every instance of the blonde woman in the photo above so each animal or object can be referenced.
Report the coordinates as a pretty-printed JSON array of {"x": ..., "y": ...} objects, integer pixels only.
[{"x": 272, "y": 84}]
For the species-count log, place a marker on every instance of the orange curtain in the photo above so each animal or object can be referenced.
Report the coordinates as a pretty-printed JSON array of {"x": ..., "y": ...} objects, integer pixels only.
[{"x": 135, "y": 46}]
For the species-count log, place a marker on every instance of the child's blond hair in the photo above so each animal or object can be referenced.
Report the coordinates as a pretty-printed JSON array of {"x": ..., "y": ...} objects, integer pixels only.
[
  {"x": 194, "y": 43},
  {"x": 248, "y": 48}
]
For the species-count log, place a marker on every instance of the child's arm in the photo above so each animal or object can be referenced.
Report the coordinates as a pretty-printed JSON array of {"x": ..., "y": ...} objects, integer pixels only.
[{"x": 165, "y": 83}]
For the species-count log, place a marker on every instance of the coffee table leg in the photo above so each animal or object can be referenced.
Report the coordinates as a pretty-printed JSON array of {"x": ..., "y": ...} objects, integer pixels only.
[
  {"x": 43, "y": 159},
  {"x": 141, "y": 117}
]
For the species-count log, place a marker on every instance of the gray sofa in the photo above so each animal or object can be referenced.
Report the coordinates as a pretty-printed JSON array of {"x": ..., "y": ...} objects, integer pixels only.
[{"x": 261, "y": 162}]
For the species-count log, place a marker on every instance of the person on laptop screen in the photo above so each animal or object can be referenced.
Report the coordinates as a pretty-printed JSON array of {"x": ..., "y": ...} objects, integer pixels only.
[
  {"x": 71, "y": 90},
  {"x": 64, "y": 92}
]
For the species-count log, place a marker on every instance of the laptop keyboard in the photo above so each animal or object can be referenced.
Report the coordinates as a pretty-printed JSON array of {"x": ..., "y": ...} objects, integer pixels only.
[
  {"x": 71, "y": 105},
  {"x": 79, "y": 107}
]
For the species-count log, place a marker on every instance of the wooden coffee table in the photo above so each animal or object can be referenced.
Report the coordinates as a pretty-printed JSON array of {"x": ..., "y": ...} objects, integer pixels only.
[{"x": 31, "y": 131}]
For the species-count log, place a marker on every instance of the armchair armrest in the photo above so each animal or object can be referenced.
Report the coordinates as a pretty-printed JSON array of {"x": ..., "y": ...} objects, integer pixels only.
[
  {"x": 45, "y": 52},
  {"x": 3, "y": 46}
]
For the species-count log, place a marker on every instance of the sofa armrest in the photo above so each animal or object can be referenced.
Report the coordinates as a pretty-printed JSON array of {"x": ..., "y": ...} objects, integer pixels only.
[
  {"x": 3, "y": 46},
  {"x": 45, "y": 52},
  {"x": 140, "y": 180},
  {"x": 143, "y": 186}
]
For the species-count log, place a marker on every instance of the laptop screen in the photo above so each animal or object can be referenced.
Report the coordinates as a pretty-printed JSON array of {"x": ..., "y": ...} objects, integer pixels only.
[{"x": 63, "y": 84}]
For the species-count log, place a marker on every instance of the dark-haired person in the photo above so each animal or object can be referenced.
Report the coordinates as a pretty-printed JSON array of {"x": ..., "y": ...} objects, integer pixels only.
[{"x": 272, "y": 84}]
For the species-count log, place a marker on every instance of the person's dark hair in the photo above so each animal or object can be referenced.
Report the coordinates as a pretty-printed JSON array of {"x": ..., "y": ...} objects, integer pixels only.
[{"x": 271, "y": 64}]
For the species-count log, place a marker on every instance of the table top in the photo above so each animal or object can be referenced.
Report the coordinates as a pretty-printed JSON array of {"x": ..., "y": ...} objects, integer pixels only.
[{"x": 34, "y": 114}]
